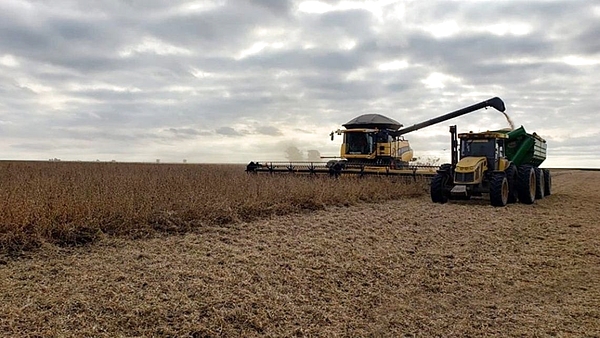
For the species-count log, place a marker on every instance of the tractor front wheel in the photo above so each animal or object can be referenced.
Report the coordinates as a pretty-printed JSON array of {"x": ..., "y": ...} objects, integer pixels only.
[
  {"x": 499, "y": 190},
  {"x": 438, "y": 188}
]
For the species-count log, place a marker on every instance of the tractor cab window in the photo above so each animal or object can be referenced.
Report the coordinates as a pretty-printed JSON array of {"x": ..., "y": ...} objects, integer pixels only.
[
  {"x": 481, "y": 147},
  {"x": 478, "y": 147},
  {"x": 500, "y": 147},
  {"x": 359, "y": 143}
]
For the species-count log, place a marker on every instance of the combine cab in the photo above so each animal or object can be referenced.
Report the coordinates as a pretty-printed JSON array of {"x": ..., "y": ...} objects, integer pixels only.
[
  {"x": 503, "y": 164},
  {"x": 371, "y": 139},
  {"x": 373, "y": 144}
]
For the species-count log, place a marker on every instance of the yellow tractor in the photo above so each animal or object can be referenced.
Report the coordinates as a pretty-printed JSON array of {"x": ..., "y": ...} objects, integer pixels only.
[{"x": 503, "y": 164}]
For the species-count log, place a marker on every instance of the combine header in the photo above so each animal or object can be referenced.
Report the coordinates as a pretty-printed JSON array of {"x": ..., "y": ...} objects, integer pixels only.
[{"x": 373, "y": 144}]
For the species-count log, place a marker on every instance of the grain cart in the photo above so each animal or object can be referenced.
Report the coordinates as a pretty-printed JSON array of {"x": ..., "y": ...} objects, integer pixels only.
[
  {"x": 503, "y": 163},
  {"x": 372, "y": 144}
]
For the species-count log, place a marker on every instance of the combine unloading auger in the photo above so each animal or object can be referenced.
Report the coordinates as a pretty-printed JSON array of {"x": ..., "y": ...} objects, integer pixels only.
[
  {"x": 373, "y": 145},
  {"x": 494, "y": 102}
]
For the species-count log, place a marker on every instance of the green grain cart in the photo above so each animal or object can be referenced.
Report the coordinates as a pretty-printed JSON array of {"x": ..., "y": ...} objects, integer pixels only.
[{"x": 503, "y": 164}]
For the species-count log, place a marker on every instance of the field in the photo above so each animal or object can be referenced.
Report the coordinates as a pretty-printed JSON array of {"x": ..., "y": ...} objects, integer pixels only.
[
  {"x": 70, "y": 204},
  {"x": 114, "y": 250}
]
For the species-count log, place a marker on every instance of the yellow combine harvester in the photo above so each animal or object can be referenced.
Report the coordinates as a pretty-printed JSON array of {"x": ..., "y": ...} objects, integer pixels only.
[{"x": 372, "y": 144}]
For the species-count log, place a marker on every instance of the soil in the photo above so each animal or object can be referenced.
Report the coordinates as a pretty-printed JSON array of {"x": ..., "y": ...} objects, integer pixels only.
[{"x": 402, "y": 268}]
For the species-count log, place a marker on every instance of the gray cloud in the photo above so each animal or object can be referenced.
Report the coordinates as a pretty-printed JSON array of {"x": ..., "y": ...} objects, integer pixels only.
[
  {"x": 268, "y": 130},
  {"x": 188, "y": 132},
  {"x": 136, "y": 80},
  {"x": 228, "y": 131}
]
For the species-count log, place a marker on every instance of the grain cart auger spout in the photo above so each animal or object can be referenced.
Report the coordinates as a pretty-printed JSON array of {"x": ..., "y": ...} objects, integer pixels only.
[
  {"x": 372, "y": 144},
  {"x": 503, "y": 164}
]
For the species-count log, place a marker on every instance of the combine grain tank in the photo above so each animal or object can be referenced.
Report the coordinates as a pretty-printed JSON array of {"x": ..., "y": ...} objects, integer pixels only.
[{"x": 504, "y": 164}]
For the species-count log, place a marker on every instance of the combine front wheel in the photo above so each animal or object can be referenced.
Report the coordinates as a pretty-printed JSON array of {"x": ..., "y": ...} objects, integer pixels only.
[
  {"x": 438, "y": 188},
  {"x": 526, "y": 184},
  {"x": 499, "y": 190}
]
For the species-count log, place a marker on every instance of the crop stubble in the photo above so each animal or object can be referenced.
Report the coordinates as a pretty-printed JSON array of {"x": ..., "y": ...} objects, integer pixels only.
[{"x": 399, "y": 268}]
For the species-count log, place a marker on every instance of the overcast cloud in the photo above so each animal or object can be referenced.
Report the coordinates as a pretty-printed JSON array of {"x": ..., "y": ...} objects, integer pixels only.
[{"x": 234, "y": 81}]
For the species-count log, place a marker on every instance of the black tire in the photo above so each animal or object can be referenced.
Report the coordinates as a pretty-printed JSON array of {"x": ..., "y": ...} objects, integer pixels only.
[
  {"x": 513, "y": 177},
  {"x": 526, "y": 186},
  {"x": 539, "y": 183},
  {"x": 547, "y": 183},
  {"x": 335, "y": 168},
  {"x": 438, "y": 188},
  {"x": 499, "y": 189},
  {"x": 446, "y": 167}
]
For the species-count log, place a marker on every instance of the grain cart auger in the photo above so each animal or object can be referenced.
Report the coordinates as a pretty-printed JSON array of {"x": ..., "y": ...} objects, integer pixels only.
[
  {"x": 372, "y": 144},
  {"x": 502, "y": 163}
]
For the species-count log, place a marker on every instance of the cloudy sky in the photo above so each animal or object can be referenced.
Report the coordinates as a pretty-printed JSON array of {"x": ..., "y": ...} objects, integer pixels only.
[{"x": 234, "y": 81}]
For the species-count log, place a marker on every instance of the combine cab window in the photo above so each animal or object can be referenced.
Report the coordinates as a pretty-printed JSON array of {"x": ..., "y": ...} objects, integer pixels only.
[
  {"x": 359, "y": 143},
  {"x": 384, "y": 137}
]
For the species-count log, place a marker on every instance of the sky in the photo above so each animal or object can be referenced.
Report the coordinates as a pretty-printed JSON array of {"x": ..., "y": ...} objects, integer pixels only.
[{"x": 235, "y": 81}]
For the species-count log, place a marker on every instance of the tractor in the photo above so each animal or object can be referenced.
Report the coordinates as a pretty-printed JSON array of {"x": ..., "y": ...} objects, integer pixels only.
[{"x": 503, "y": 164}]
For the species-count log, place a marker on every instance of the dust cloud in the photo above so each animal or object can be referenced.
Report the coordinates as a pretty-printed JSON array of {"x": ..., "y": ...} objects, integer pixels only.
[
  {"x": 313, "y": 155},
  {"x": 293, "y": 153}
]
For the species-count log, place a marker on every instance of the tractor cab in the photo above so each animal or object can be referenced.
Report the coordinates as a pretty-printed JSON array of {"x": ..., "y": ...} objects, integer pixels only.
[
  {"x": 488, "y": 145},
  {"x": 480, "y": 154}
]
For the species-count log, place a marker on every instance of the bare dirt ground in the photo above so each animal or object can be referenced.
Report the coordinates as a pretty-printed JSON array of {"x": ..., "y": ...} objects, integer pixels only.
[{"x": 402, "y": 268}]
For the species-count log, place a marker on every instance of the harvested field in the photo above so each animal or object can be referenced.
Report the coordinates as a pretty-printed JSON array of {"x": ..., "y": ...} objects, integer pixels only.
[{"x": 404, "y": 267}]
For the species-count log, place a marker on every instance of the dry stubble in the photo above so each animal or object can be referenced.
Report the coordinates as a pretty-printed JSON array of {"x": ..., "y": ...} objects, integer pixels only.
[{"x": 400, "y": 268}]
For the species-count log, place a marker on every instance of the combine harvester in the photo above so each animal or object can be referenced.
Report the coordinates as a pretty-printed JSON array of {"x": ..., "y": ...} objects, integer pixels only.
[
  {"x": 503, "y": 163},
  {"x": 373, "y": 144}
]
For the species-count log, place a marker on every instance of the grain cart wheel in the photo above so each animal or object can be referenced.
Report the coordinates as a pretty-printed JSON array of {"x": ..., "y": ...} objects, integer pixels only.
[
  {"x": 511, "y": 175},
  {"x": 438, "y": 187},
  {"x": 526, "y": 187},
  {"x": 499, "y": 190},
  {"x": 547, "y": 182},
  {"x": 539, "y": 183}
]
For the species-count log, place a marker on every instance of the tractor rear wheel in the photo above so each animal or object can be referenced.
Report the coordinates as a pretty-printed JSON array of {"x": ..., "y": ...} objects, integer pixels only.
[
  {"x": 499, "y": 190},
  {"x": 438, "y": 187},
  {"x": 547, "y": 182},
  {"x": 539, "y": 183},
  {"x": 511, "y": 175},
  {"x": 526, "y": 187}
]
